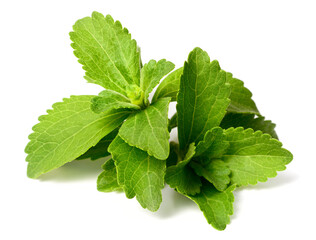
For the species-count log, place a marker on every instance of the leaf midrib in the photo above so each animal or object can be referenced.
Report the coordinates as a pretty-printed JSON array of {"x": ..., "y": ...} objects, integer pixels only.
[
  {"x": 37, "y": 164},
  {"x": 107, "y": 56}
]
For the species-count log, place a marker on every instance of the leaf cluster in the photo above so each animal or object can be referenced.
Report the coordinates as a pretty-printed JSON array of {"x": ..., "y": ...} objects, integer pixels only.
[{"x": 223, "y": 140}]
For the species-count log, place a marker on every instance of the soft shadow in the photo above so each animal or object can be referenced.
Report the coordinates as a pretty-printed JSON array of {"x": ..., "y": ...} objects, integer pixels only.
[
  {"x": 75, "y": 171},
  {"x": 173, "y": 203},
  {"x": 283, "y": 178}
]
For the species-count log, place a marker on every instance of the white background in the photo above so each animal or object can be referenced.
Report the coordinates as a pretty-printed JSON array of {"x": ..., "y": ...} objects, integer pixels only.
[{"x": 270, "y": 45}]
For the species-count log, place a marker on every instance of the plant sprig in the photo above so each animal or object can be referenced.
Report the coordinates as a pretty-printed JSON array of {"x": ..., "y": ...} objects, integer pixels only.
[{"x": 223, "y": 140}]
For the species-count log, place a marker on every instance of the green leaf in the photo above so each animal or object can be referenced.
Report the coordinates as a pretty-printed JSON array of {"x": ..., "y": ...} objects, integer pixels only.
[
  {"x": 109, "y": 100},
  {"x": 202, "y": 99},
  {"x": 148, "y": 129},
  {"x": 101, "y": 149},
  {"x": 107, "y": 180},
  {"x": 173, "y": 122},
  {"x": 67, "y": 132},
  {"x": 240, "y": 97},
  {"x": 217, "y": 206},
  {"x": 213, "y": 145},
  {"x": 138, "y": 173},
  {"x": 108, "y": 54},
  {"x": 249, "y": 121},
  {"x": 254, "y": 156},
  {"x": 136, "y": 96},
  {"x": 182, "y": 177},
  {"x": 169, "y": 87},
  {"x": 140, "y": 58},
  {"x": 152, "y": 73},
  {"x": 214, "y": 170},
  {"x": 174, "y": 156}
]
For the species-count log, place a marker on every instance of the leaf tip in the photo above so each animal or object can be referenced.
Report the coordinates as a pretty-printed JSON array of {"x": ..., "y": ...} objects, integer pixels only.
[
  {"x": 31, "y": 173},
  {"x": 96, "y": 15}
]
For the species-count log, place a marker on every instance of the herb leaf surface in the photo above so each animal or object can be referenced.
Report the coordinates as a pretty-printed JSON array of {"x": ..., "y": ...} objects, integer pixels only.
[
  {"x": 107, "y": 52},
  {"x": 169, "y": 87},
  {"x": 240, "y": 97},
  {"x": 249, "y": 121},
  {"x": 152, "y": 73},
  {"x": 182, "y": 177},
  {"x": 67, "y": 132},
  {"x": 139, "y": 174},
  {"x": 213, "y": 145},
  {"x": 148, "y": 129},
  {"x": 108, "y": 100},
  {"x": 213, "y": 170},
  {"x": 253, "y": 156},
  {"x": 101, "y": 149},
  {"x": 107, "y": 180},
  {"x": 217, "y": 206},
  {"x": 202, "y": 98}
]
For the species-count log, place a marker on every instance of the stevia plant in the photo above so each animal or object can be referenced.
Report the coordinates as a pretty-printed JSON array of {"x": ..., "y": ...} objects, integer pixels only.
[
  {"x": 216, "y": 153},
  {"x": 224, "y": 142}
]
